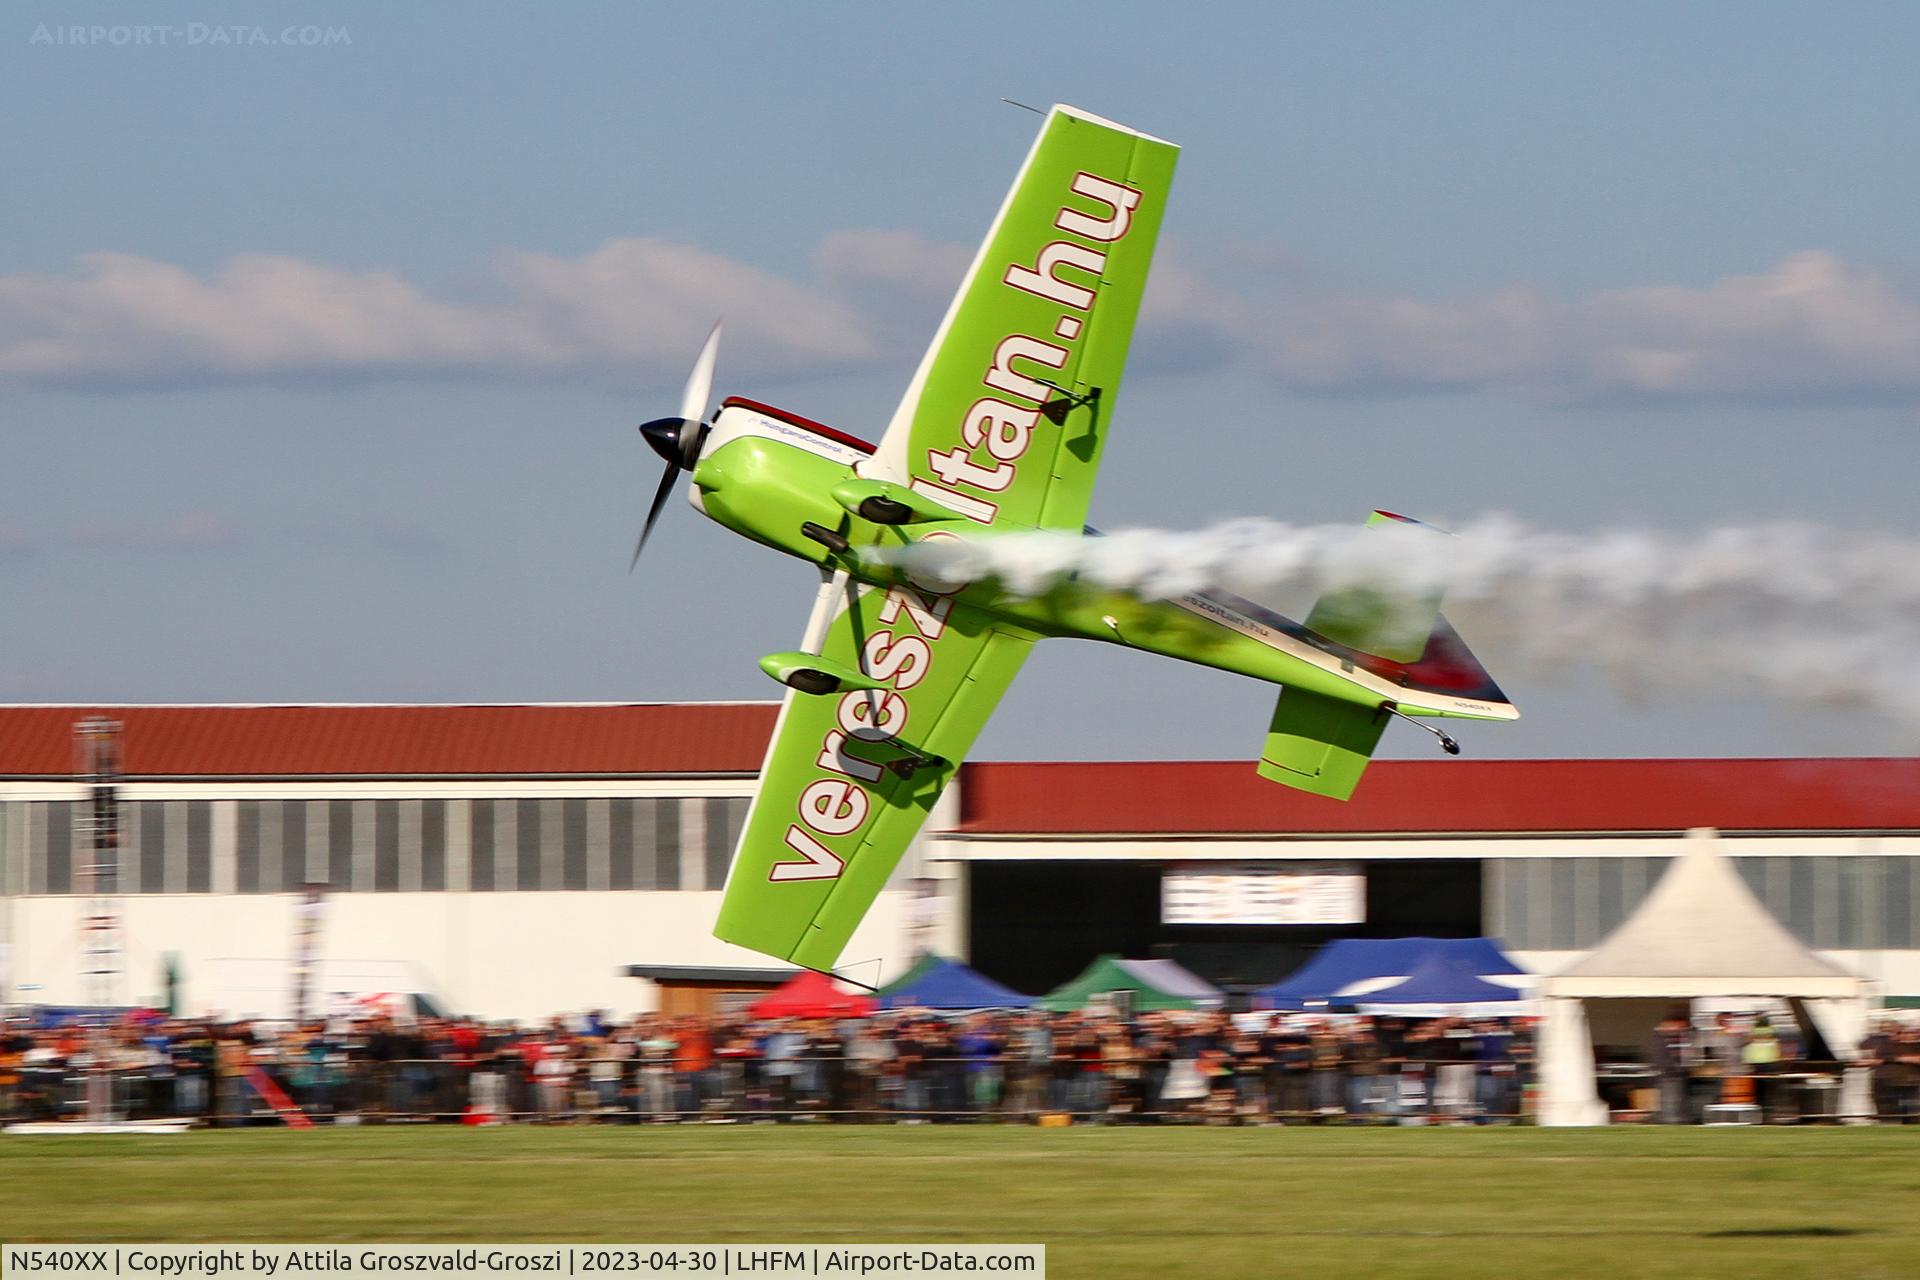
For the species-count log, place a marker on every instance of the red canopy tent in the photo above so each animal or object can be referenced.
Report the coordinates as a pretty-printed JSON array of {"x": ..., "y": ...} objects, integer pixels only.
[{"x": 811, "y": 995}]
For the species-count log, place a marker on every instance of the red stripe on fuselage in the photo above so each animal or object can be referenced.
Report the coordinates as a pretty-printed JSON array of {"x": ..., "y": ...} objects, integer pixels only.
[{"x": 795, "y": 420}]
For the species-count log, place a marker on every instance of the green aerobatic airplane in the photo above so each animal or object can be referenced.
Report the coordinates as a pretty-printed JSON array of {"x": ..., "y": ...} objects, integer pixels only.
[{"x": 1000, "y": 430}]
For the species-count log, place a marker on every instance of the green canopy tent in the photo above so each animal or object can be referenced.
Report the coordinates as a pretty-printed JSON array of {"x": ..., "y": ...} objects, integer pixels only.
[{"x": 1150, "y": 986}]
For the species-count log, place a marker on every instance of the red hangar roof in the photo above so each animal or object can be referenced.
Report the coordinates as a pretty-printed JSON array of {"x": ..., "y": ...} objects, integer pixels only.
[
  {"x": 547, "y": 740},
  {"x": 1208, "y": 798},
  {"x": 1454, "y": 797}
]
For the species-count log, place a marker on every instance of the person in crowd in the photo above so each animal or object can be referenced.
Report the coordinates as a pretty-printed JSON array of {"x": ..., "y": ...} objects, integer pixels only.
[
  {"x": 1290, "y": 1049},
  {"x": 1675, "y": 1056},
  {"x": 607, "y": 1057},
  {"x": 823, "y": 1054},
  {"x": 1082, "y": 1065},
  {"x": 1329, "y": 1080},
  {"x": 909, "y": 1067},
  {"x": 1891, "y": 1053},
  {"x": 694, "y": 1069},
  {"x": 945, "y": 1072},
  {"x": 1142, "y": 1045},
  {"x": 1409, "y": 1063},
  {"x": 738, "y": 1077},
  {"x": 1029, "y": 1055},
  {"x": 232, "y": 1060},
  {"x": 657, "y": 1048},
  {"x": 1187, "y": 1084},
  {"x": 1247, "y": 1062},
  {"x": 979, "y": 1046},
  {"x": 1363, "y": 1055},
  {"x": 1762, "y": 1056},
  {"x": 780, "y": 1067},
  {"x": 1120, "y": 1065},
  {"x": 15, "y": 1041},
  {"x": 1455, "y": 1073},
  {"x": 1490, "y": 1048},
  {"x": 1908, "y": 1060},
  {"x": 869, "y": 1063},
  {"x": 1716, "y": 1059}
]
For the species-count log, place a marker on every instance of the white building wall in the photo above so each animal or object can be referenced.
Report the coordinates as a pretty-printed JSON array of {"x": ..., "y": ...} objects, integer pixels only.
[
  {"x": 518, "y": 955},
  {"x": 523, "y": 956}
]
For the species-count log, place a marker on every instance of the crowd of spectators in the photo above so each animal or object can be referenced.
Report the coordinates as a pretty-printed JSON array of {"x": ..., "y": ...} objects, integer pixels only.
[
  {"x": 903, "y": 1067},
  {"x": 909, "y": 1067},
  {"x": 1700, "y": 1067}
]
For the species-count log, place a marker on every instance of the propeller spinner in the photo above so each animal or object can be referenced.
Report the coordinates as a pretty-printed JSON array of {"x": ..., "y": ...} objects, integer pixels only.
[{"x": 678, "y": 440}]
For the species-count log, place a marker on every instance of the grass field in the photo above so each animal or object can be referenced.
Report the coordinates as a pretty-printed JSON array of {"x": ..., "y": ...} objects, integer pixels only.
[{"x": 1117, "y": 1202}]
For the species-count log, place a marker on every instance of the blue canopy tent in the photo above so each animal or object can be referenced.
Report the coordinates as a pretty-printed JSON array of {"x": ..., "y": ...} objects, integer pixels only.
[
  {"x": 939, "y": 983},
  {"x": 1348, "y": 963},
  {"x": 1443, "y": 986}
]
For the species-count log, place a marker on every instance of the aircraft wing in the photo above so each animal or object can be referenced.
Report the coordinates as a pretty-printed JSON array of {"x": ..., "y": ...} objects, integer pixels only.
[
  {"x": 1006, "y": 416},
  {"x": 836, "y": 807}
]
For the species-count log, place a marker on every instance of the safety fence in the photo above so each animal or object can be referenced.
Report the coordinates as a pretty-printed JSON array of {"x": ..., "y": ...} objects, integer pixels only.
[
  {"x": 1110, "y": 1089},
  {"x": 846, "y": 1089}
]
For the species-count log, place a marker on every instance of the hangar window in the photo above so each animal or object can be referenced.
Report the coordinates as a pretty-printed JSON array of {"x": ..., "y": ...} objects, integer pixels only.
[
  {"x": 433, "y": 845},
  {"x": 726, "y": 815},
  {"x": 1861, "y": 903},
  {"x": 293, "y": 847},
  {"x": 530, "y": 842},
  {"x": 620, "y": 844},
  {"x": 152, "y": 835},
  {"x": 339, "y": 846},
  {"x": 272, "y": 846},
  {"x": 1832, "y": 903},
  {"x": 480, "y": 846},
  {"x": 199, "y": 859},
  {"x": 1563, "y": 904},
  {"x": 386, "y": 846},
  {"x": 246, "y": 842},
  {"x": 573, "y": 844},
  {"x": 57, "y": 840},
  {"x": 643, "y": 843}
]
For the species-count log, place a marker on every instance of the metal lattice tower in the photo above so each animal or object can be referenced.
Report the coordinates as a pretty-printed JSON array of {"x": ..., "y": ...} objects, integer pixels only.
[
  {"x": 306, "y": 946},
  {"x": 96, "y": 840},
  {"x": 96, "y": 832}
]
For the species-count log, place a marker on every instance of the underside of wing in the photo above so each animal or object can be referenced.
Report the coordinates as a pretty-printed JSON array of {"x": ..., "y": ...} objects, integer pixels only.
[
  {"x": 1006, "y": 417},
  {"x": 850, "y": 777}
]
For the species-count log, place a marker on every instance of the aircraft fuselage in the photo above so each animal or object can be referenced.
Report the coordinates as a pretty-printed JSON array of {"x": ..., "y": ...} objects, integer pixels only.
[{"x": 770, "y": 477}]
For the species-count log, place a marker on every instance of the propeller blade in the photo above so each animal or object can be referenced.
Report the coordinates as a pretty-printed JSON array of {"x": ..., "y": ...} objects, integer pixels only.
[
  {"x": 678, "y": 440},
  {"x": 653, "y": 513},
  {"x": 699, "y": 389}
]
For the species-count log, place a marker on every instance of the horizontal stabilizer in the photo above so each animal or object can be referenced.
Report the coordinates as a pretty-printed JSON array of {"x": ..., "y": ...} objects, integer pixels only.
[{"x": 1319, "y": 744}]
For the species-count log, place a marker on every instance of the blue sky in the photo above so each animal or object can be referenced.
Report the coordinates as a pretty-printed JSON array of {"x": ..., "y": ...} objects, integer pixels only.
[{"x": 319, "y": 364}]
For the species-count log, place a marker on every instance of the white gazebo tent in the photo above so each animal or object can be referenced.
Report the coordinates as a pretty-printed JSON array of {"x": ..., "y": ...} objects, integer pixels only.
[{"x": 1700, "y": 934}]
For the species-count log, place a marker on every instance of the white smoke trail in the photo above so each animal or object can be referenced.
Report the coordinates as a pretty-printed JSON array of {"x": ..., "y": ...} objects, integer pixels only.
[{"x": 1793, "y": 613}]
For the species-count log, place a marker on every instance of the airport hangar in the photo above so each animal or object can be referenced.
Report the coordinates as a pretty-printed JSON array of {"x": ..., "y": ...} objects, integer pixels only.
[{"x": 517, "y": 861}]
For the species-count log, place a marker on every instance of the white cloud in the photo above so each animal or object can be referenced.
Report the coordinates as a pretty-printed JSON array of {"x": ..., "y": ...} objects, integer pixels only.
[
  {"x": 631, "y": 311},
  {"x": 899, "y": 262},
  {"x": 1812, "y": 327},
  {"x": 643, "y": 301}
]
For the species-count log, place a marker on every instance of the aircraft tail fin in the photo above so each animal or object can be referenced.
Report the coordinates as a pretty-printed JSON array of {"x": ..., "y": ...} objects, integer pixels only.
[
  {"x": 1322, "y": 744},
  {"x": 1389, "y": 626}
]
